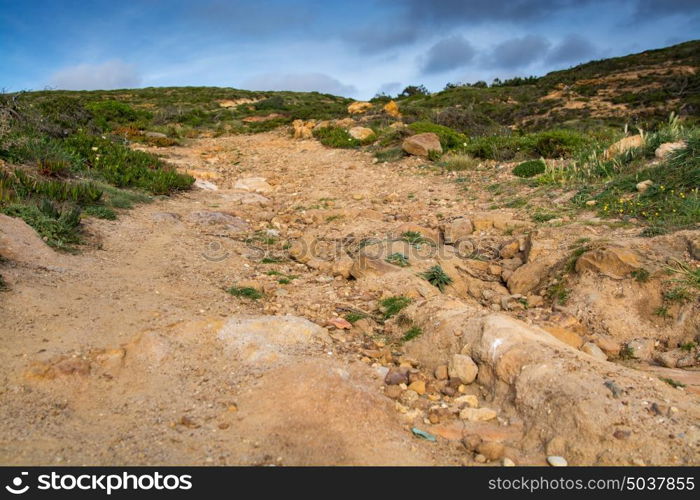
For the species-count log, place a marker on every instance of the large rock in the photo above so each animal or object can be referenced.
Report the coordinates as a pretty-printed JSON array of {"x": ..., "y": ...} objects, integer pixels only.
[
  {"x": 302, "y": 129},
  {"x": 359, "y": 107},
  {"x": 614, "y": 262},
  {"x": 422, "y": 144},
  {"x": 623, "y": 145},
  {"x": 667, "y": 148},
  {"x": 530, "y": 276},
  {"x": 462, "y": 367},
  {"x": 361, "y": 133},
  {"x": 567, "y": 336},
  {"x": 392, "y": 109},
  {"x": 458, "y": 229}
]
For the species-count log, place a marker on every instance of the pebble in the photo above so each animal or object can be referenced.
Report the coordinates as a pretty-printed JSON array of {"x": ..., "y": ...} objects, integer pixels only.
[
  {"x": 557, "y": 461},
  {"x": 418, "y": 386},
  {"x": 507, "y": 462},
  {"x": 479, "y": 458},
  {"x": 467, "y": 400}
]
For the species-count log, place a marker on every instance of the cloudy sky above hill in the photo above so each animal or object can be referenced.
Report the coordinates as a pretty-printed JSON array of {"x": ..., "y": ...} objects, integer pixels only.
[{"x": 354, "y": 48}]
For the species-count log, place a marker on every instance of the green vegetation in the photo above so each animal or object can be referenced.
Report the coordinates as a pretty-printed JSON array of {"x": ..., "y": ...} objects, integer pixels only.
[
  {"x": 437, "y": 277},
  {"x": 64, "y": 157},
  {"x": 353, "y": 316},
  {"x": 688, "y": 346},
  {"x": 672, "y": 382},
  {"x": 415, "y": 239},
  {"x": 641, "y": 275},
  {"x": 627, "y": 352},
  {"x": 398, "y": 259},
  {"x": 530, "y": 168},
  {"x": 335, "y": 137},
  {"x": 391, "y": 306},
  {"x": 411, "y": 333},
  {"x": 245, "y": 292}
]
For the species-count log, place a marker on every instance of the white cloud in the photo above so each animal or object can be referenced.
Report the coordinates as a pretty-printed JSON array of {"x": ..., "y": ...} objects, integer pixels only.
[
  {"x": 114, "y": 74},
  {"x": 300, "y": 82}
]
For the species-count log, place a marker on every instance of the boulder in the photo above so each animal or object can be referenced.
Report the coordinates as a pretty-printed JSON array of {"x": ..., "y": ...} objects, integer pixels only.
[
  {"x": 614, "y": 262},
  {"x": 422, "y": 144},
  {"x": 392, "y": 109},
  {"x": 528, "y": 277},
  {"x": 359, "y": 107},
  {"x": 457, "y": 230},
  {"x": 302, "y": 129},
  {"x": 667, "y": 148},
  {"x": 593, "y": 350},
  {"x": 361, "y": 133},
  {"x": 462, "y": 367},
  {"x": 623, "y": 145}
]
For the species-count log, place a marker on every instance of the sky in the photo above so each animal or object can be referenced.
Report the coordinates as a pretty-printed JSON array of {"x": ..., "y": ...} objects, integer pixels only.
[{"x": 352, "y": 48}]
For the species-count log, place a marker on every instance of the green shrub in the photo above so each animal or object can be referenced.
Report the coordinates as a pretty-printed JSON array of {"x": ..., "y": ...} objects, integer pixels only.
[
  {"x": 100, "y": 211},
  {"x": 398, "y": 259},
  {"x": 335, "y": 137},
  {"x": 354, "y": 317},
  {"x": 391, "y": 306},
  {"x": 412, "y": 333},
  {"x": 58, "y": 226},
  {"x": 437, "y": 277},
  {"x": 245, "y": 292},
  {"x": 530, "y": 168}
]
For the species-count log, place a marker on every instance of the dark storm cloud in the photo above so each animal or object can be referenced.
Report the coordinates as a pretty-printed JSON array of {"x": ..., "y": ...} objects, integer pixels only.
[
  {"x": 572, "y": 49},
  {"x": 452, "y": 12},
  {"x": 376, "y": 38},
  {"x": 448, "y": 53},
  {"x": 518, "y": 52},
  {"x": 657, "y": 8}
]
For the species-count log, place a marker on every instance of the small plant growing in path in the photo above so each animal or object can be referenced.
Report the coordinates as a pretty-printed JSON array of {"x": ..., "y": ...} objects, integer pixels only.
[
  {"x": 393, "y": 305},
  {"x": 354, "y": 317},
  {"x": 398, "y": 259},
  {"x": 437, "y": 277},
  {"x": 245, "y": 292},
  {"x": 411, "y": 333},
  {"x": 673, "y": 383},
  {"x": 414, "y": 238}
]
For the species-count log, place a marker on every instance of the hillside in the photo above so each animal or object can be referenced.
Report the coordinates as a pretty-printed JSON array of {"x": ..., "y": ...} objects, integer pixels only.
[
  {"x": 638, "y": 89},
  {"x": 504, "y": 275}
]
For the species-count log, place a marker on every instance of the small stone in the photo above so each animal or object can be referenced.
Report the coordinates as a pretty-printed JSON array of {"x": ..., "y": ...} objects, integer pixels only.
[
  {"x": 492, "y": 450},
  {"x": 557, "y": 461},
  {"x": 357, "y": 196},
  {"x": 441, "y": 372},
  {"x": 468, "y": 400},
  {"x": 418, "y": 386},
  {"x": 340, "y": 323},
  {"x": 620, "y": 434},
  {"x": 393, "y": 391},
  {"x": 591, "y": 203},
  {"x": 479, "y": 458},
  {"x": 396, "y": 376},
  {"x": 644, "y": 185},
  {"x": 507, "y": 462},
  {"x": 463, "y": 368},
  {"x": 408, "y": 396},
  {"x": 477, "y": 414}
]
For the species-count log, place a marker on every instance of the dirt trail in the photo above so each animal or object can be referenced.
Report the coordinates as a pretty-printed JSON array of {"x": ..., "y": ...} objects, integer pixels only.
[
  {"x": 131, "y": 352},
  {"x": 112, "y": 356}
]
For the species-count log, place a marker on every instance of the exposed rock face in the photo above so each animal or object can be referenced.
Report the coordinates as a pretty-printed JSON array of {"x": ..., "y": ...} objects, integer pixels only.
[
  {"x": 422, "y": 144},
  {"x": 359, "y": 107},
  {"x": 302, "y": 129},
  {"x": 528, "y": 367},
  {"x": 458, "y": 229},
  {"x": 631, "y": 142},
  {"x": 614, "y": 262},
  {"x": 361, "y": 133}
]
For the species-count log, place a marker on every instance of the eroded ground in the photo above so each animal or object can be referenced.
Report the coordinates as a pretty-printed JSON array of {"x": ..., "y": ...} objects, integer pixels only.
[{"x": 132, "y": 352}]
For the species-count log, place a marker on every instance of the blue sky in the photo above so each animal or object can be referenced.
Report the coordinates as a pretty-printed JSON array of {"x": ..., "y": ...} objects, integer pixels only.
[{"x": 354, "y": 48}]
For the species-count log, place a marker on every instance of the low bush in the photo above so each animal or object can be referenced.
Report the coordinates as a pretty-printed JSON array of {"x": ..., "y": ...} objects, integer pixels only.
[{"x": 530, "y": 168}]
